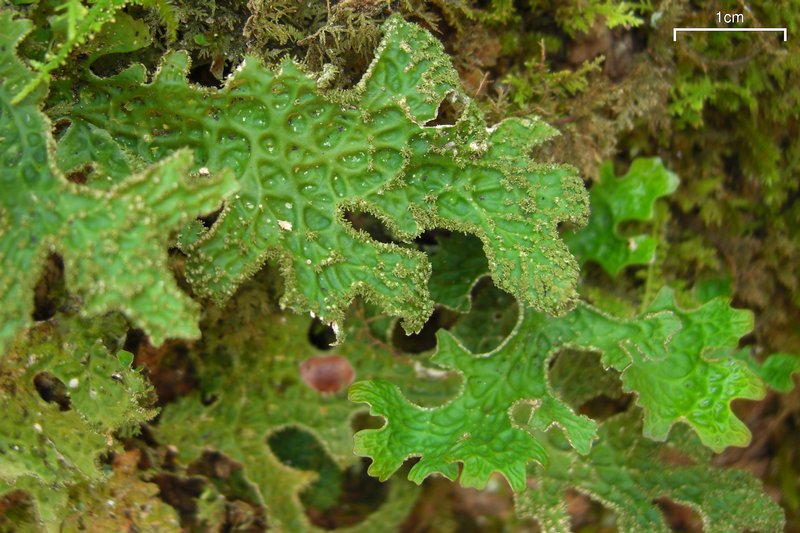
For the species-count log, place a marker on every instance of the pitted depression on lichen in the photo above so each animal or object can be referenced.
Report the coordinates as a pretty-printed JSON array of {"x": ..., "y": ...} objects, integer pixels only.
[
  {"x": 304, "y": 156},
  {"x": 113, "y": 242}
]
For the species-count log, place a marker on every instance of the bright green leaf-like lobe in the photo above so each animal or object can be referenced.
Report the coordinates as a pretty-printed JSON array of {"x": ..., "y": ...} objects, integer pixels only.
[
  {"x": 492, "y": 318},
  {"x": 627, "y": 472},
  {"x": 113, "y": 242},
  {"x": 700, "y": 378},
  {"x": 45, "y": 448},
  {"x": 614, "y": 201},
  {"x": 679, "y": 363},
  {"x": 304, "y": 156},
  {"x": 475, "y": 428},
  {"x": 777, "y": 370},
  {"x": 88, "y": 144},
  {"x": 676, "y": 361}
]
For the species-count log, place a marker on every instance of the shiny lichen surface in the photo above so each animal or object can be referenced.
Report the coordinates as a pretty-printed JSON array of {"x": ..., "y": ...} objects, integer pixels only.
[
  {"x": 113, "y": 242},
  {"x": 678, "y": 363},
  {"x": 184, "y": 182},
  {"x": 615, "y": 201},
  {"x": 304, "y": 157}
]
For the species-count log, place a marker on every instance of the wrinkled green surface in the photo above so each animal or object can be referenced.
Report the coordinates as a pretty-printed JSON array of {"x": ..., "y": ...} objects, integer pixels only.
[
  {"x": 677, "y": 362},
  {"x": 253, "y": 375},
  {"x": 91, "y": 150},
  {"x": 615, "y": 200},
  {"x": 301, "y": 450},
  {"x": 492, "y": 317},
  {"x": 627, "y": 472},
  {"x": 303, "y": 157},
  {"x": 113, "y": 242},
  {"x": 584, "y": 376},
  {"x": 44, "y": 449},
  {"x": 698, "y": 382},
  {"x": 91, "y": 147},
  {"x": 475, "y": 427}
]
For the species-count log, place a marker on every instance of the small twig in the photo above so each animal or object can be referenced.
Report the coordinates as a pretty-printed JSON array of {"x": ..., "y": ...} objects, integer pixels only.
[
  {"x": 543, "y": 54},
  {"x": 563, "y": 120},
  {"x": 481, "y": 84}
]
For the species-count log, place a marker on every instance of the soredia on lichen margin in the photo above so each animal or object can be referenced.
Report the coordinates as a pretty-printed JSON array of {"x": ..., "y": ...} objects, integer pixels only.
[
  {"x": 304, "y": 157},
  {"x": 629, "y": 473},
  {"x": 113, "y": 242},
  {"x": 53, "y": 453},
  {"x": 679, "y": 363}
]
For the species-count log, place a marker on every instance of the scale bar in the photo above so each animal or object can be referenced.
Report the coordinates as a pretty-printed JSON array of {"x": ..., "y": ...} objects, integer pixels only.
[{"x": 676, "y": 30}]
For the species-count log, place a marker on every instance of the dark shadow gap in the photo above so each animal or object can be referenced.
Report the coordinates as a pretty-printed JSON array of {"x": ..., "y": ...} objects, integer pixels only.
[
  {"x": 602, "y": 407},
  {"x": 364, "y": 420},
  {"x": 209, "y": 219},
  {"x": 52, "y": 390},
  {"x": 60, "y": 127},
  {"x": 321, "y": 335},
  {"x": 361, "y": 220},
  {"x": 168, "y": 367},
  {"x": 585, "y": 511},
  {"x": 448, "y": 113},
  {"x": 425, "y": 340},
  {"x": 680, "y": 518},
  {"x": 337, "y": 498},
  {"x": 360, "y": 495},
  {"x": 50, "y": 291},
  {"x": 431, "y": 238},
  {"x": 81, "y": 175},
  {"x": 180, "y": 492},
  {"x": 211, "y": 73}
]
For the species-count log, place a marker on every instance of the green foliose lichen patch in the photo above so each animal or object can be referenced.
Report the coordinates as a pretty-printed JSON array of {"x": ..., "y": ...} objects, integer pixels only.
[
  {"x": 679, "y": 364},
  {"x": 113, "y": 242},
  {"x": 65, "y": 389},
  {"x": 304, "y": 156}
]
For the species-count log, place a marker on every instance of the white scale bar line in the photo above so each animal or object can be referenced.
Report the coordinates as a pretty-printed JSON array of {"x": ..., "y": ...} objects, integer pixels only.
[{"x": 676, "y": 30}]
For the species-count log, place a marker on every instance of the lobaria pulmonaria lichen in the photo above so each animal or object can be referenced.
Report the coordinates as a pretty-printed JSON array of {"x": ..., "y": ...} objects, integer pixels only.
[{"x": 199, "y": 248}]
